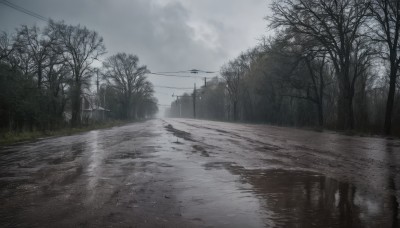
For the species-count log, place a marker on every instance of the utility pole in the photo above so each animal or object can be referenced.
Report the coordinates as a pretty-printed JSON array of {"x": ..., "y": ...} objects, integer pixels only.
[
  {"x": 194, "y": 101},
  {"x": 97, "y": 81},
  {"x": 193, "y": 71},
  {"x": 104, "y": 97},
  {"x": 97, "y": 93},
  {"x": 180, "y": 106}
]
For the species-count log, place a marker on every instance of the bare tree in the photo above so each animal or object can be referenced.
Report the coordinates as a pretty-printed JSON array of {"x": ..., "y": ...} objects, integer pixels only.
[
  {"x": 309, "y": 67},
  {"x": 31, "y": 41},
  {"x": 56, "y": 79},
  {"x": 232, "y": 73},
  {"x": 81, "y": 47},
  {"x": 336, "y": 26},
  {"x": 146, "y": 104},
  {"x": 6, "y": 47},
  {"x": 316, "y": 65},
  {"x": 387, "y": 16},
  {"x": 124, "y": 73}
]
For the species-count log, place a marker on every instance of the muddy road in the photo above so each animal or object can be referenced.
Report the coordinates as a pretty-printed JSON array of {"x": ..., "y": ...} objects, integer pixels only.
[{"x": 194, "y": 173}]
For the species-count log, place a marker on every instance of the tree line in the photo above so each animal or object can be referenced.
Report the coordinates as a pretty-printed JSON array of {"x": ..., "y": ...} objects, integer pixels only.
[
  {"x": 46, "y": 74},
  {"x": 331, "y": 64}
]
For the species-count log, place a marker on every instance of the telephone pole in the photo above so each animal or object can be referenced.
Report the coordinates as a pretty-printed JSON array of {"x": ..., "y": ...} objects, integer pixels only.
[
  {"x": 194, "y": 101},
  {"x": 180, "y": 107},
  {"x": 193, "y": 71}
]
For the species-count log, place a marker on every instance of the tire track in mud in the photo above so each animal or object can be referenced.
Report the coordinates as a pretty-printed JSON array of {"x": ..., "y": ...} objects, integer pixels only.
[
  {"x": 296, "y": 147},
  {"x": 198, "y": 147},
  {"x": 331, "y": 163},
  {"x": 178, "y": 133},
  {"x": 268, "y": 146}
]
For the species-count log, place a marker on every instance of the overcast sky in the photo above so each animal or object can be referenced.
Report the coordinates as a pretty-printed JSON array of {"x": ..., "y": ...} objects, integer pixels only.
[{"x": 166, "y": 35}]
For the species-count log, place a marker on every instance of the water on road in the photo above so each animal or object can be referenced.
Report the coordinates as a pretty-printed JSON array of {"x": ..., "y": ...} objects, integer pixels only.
[{"x": 195, "y": 173}]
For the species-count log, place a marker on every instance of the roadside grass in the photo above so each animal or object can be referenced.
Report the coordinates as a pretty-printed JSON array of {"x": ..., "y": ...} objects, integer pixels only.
[{"x": 7, "y": 138}]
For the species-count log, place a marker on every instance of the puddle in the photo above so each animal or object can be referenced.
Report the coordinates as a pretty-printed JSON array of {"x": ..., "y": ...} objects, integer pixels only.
[
  {"x": 307, "y": 199},
  {"x": 228, "y": 195}
]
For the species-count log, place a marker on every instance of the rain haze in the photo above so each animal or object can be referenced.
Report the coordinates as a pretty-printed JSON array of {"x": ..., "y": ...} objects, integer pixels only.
[{"x": 200, "y": 113}]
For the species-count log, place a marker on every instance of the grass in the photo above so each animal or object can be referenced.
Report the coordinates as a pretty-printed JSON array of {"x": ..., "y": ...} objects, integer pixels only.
[{"x": 8, "y": 138}]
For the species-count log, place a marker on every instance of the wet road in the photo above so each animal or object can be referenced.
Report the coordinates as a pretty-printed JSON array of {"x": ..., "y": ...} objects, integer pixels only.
[{"x": 194, "y": 173}]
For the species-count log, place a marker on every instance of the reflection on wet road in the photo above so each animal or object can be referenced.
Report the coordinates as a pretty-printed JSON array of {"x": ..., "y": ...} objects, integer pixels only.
[{"x": 193, "y": 173}]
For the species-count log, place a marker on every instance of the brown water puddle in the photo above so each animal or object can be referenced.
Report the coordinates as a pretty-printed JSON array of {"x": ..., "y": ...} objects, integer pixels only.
[{"x": 286, "y": 198}]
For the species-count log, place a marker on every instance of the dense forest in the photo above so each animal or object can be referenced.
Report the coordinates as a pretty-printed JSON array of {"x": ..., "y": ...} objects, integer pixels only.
[
  {"x": 329, "y": 64},
  {"x": 48, "y": 80}
]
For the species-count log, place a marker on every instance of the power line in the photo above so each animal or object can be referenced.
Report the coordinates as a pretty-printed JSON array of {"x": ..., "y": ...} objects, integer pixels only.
[
  {"x": 193, "y": 71},
  {"x": 172, "y": 87},
  {"x": 172, "y": 75},
  {"x": 179, "y": 76},
  {"x": 25, "y": 11},
  {"x": 173, "y": 72}
]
